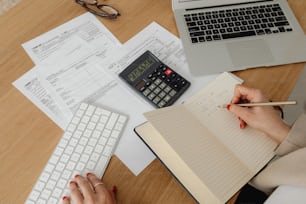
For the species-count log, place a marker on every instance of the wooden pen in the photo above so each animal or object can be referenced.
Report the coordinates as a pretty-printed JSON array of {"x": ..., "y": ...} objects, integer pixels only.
[{"x": 276, "y": 103}]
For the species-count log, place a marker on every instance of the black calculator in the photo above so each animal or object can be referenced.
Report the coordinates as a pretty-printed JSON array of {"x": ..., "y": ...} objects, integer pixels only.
[{"x": 154, "y": 80}]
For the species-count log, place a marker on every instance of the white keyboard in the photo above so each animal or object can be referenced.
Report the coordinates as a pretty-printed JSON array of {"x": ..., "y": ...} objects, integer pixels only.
[{"x": 86, "y": 146}]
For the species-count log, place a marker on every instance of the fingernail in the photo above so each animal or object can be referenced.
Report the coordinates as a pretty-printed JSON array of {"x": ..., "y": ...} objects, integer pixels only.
[
  {"x": 241, "y": 125},
  {"x": 77, "y": 176},
  {"x": 228, "y": 107},
  {"x": 88, "y": 174},
  {"x": 65, "y": 198},
  {"x": 71, "y": 182}
]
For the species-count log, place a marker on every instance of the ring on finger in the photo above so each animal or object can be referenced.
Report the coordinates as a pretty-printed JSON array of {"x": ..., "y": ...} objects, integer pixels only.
[{"x": 97, "y": 184}]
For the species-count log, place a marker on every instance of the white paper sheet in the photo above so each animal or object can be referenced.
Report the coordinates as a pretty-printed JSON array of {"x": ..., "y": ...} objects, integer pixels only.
[
  {"x": 105, "y": 64},
  {"x": 86, "y": 26},
  {"x": 58, "y": 46}
]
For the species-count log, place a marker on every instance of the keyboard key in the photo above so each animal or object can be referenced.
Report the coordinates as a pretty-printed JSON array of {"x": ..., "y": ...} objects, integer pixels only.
[{"x": 237, "y": 35}]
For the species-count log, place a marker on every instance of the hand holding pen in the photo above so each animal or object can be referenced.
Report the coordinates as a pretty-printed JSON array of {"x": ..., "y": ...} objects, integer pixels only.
[{"x": 262, "y": 117}]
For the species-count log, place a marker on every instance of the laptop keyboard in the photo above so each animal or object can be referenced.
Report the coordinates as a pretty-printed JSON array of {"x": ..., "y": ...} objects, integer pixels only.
[{"x": 235, "y": 23}]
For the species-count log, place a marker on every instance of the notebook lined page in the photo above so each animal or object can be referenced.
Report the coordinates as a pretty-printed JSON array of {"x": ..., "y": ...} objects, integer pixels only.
[
  {"x": 210, "y": 160},
  {"x": 249, "y": 145}
]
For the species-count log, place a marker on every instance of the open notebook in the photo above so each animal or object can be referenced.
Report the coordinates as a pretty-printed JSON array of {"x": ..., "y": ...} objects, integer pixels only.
[{"x": 203, "y": 146}]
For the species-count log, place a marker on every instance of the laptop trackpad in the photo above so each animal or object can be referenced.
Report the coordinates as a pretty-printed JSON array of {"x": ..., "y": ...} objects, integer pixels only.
[{"x": 248, "y": 53}]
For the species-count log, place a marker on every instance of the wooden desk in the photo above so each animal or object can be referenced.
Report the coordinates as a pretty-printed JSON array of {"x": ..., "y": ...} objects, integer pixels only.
[{"x": 28, "y": 136}]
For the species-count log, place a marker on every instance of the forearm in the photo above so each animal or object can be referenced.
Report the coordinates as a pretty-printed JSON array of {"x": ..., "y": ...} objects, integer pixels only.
[{"x": 296, "y": 138}]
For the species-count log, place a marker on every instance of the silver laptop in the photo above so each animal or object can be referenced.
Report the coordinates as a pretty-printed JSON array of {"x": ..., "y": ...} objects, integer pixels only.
[{"x": 230, "y": 35}]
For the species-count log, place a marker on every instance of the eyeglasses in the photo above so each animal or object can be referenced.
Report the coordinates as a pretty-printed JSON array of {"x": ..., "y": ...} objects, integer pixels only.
[{"x": 102, "y": 10}]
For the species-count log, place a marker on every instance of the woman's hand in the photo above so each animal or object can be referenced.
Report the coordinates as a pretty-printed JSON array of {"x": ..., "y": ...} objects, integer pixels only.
[
  {"x": 264, "y": 118},
  {"x": 89, "y": 190}
]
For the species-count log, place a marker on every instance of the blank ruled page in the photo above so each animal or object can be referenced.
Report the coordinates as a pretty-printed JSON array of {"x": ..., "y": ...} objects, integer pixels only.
[{"x": 219, "y": 170}]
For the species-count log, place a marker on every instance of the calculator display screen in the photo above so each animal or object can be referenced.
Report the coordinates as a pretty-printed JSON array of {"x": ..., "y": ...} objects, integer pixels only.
[{"x": 141, "y": 68}]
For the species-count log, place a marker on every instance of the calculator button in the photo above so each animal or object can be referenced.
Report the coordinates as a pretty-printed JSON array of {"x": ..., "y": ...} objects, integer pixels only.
[
  {"x": 151, "y": 96},
  {"x": 146, "y": 92},
  {"x": 173, "y": 75},
  {"x": 168, "y": 72},
  {"x": 183, "y": 82},
  {"x": 157, "y": 90},
  {"x": 161, "y": 104},
  {"x": 163, "y": 67},
  {"x": 157, "y": 81},
  {"x": 142, "y": 89},
  {"x": 175, "y": 85},
  {"x": 152, "y": 86},
  {"x": 162, "y": 85},
  {"x": 156, "y": 100},
  {"x": 167, "y": 98},
  {"x": 167, "y": 89},
  {"x": 172, "y": 93},
  {"x": 162, "y": 94}
]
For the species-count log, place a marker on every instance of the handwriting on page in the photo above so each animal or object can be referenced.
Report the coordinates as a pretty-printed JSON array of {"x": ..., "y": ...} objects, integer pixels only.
[
  {"x": 225, "y": 127},
  {"x": 246, "y": 143},
  {"x": 209, "y": 104}
]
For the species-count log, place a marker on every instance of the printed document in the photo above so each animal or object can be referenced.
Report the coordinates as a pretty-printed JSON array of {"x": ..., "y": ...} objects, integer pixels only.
[
  {"x": 86, "y": 26},
  {"x": 54, "y": 48},
  {"x": 76, "y": 70}
]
